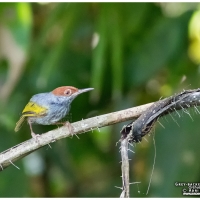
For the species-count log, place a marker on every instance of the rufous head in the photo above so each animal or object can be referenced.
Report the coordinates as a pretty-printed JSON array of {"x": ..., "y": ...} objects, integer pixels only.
[
  {"x": 64, "y": 91},
  {"x": 69, "y": 91}
]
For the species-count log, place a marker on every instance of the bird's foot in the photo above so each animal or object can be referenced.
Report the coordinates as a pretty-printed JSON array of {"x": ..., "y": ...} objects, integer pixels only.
[
  {"x": 35, "y": 136},
  {"x": 71, "y": 129}
]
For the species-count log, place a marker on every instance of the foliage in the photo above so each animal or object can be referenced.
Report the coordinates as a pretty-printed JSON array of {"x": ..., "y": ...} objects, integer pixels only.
[{"x": 132, "y": 54}]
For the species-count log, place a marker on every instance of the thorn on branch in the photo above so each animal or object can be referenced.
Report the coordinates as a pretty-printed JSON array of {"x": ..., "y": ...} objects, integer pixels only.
[
  {"x": 119, "y": 187},
  {"x": 98, "y": 129},
  {"x": 134, "y": 183},
  {"x": 49, "y": 146},
  {"x": 14, "y": 164}
]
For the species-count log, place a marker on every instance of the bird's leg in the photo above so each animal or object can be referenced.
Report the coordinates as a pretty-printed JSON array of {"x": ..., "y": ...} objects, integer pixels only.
[
  {"x": 35, "y": 136},
  {"x": 69, "y": 126}
]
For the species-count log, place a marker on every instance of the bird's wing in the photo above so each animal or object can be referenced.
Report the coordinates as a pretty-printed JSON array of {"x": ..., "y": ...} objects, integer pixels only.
[{"x": 33, "y": 109}]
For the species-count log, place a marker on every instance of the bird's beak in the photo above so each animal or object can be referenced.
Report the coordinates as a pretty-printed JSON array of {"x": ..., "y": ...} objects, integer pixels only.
[{"x": 82, "y": 91}]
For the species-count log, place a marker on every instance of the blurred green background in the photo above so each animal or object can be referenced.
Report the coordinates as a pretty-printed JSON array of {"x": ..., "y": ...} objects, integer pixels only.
[{"x": 132, "y": 54}]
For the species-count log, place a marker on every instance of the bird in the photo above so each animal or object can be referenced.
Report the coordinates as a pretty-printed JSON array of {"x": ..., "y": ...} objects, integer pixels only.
[{"x": 49, "y": 108}]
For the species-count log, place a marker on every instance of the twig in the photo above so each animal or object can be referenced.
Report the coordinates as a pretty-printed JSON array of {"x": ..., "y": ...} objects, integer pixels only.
[
  {"x": 154, "y": 162},
  {"x": 21, "y": 150},
  {"x": 125, "y": 168}
]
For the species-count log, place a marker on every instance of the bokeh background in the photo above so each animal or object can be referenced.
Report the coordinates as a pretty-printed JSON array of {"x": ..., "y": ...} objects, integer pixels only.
[{"x": 132, "y": 54}]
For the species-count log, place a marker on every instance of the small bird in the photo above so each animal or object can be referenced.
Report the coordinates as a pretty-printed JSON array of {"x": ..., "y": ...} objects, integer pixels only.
[{"x": 49, "y": 108}]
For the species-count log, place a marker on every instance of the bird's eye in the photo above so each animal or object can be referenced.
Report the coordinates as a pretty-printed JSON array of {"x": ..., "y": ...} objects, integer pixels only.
[{"x": 67, "y": 92}]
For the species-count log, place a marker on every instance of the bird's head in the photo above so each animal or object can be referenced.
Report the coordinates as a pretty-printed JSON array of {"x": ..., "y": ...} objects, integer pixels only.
[{"x": 69, "y": 92}]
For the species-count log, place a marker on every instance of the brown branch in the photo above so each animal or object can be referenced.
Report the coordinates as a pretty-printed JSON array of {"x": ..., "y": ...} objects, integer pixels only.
[{"x": 19, "y": 151}]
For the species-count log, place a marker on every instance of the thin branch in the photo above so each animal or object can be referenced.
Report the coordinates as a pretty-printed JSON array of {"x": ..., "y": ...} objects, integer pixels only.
[
  {"x": 154, "y": 162},
  {"x": 144, "y": 124},
  {"x": 21, "y": 150},
  {"x": 125, "y": 168}
]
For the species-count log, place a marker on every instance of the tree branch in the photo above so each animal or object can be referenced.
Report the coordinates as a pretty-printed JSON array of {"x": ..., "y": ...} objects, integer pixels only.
[
  {"x": 135, "y": 131},
  {"x": 19, "y": 151},
  {"x": 125, "y": 169}
]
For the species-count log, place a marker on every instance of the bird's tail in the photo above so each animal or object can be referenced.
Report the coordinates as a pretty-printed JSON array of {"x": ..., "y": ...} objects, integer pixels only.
[{"x": 19, "y": 123}]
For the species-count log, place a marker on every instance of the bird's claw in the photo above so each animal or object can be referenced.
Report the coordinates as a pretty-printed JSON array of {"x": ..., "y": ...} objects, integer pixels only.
[
  {"x": 35, "y": 136},
  {"x": 71, "y": 129}
]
